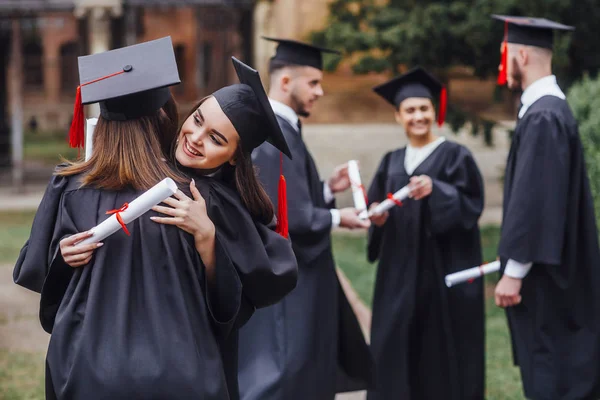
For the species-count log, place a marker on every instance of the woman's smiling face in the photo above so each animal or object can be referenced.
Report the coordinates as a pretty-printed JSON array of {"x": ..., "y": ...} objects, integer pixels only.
[{"x": 207, "y": 139}]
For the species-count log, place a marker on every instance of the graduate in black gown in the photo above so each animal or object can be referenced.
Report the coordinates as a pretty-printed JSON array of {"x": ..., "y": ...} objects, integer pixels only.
[
  {"x": 427, "y": 339},
  {"x": 549, "y": 242},
  {"x": 309, "y": 345},
  {"x": 152, "y": 315}
]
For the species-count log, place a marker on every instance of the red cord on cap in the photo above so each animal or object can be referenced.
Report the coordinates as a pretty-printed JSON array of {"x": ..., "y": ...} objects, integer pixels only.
[{"x": 76, "y": 134}]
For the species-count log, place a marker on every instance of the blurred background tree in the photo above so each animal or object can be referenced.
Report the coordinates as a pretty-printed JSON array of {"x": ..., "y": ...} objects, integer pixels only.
[
  {"x": 584, "y": 99},
  {"x": 391, "y": 36}
]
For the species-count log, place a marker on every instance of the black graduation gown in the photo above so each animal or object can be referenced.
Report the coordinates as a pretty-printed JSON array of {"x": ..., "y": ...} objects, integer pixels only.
[
  {"x": 139, "y": 321},
  {"x": 427, "y": 339},
  {"x": 293, "y": 349},
  {"x": 549, "y": 220}
]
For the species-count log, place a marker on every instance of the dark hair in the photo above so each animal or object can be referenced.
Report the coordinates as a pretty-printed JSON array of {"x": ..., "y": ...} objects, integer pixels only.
[
  {"x": 170, "y": 129},
  {"x": 127, "y": 153},
  {"x": 244, "y": 177},
  {"x": 276, "y": 65}
]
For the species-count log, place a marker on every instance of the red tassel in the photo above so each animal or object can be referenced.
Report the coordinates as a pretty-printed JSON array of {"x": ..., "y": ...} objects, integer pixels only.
[
  {"x": 443, "y": 105},
  {"x": 502, "y": 69},
  {"x": 282, "y": 215},
  {"x": 76, "y": 134}
]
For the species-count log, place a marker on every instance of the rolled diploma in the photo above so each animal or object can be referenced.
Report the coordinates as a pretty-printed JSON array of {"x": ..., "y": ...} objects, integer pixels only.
[
  {"x": 387, "y": 204},
  {"x": 357, "y": 191},
  {"x": 90, "y": 125},
  {"x": 471, "y": 273},
  {"x": 137, "y": 207}
]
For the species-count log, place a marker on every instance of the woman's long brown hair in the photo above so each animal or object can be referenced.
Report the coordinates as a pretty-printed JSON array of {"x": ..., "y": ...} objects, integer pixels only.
[
  {"x": 130, "y": 153},
  {"x": 253, "y": 195}
]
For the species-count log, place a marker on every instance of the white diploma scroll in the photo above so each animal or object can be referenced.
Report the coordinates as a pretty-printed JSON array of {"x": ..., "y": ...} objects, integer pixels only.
[
  {"x": 471, "y": 273},
  {"x": 136, "y": 208},
  {"x": 358, "y": 192},
  {"x": 387, "y": 204},
  {"x": 90, "y": 125}
]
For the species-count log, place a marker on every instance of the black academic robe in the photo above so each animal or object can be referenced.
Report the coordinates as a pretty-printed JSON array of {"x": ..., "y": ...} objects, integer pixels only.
[
  {"x": 309, "y": 345},
  {"x": 427, "y": 339},
  {"x": 549, "y": 220},
  {"x": 140, "y": 321}
]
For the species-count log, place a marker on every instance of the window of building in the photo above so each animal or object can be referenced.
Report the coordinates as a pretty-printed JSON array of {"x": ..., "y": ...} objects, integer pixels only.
[
  {"x": 33, "y": 65},
  {"x": 181, "y": 66},
  {"x": 69, "y": 73},
  {"x": 204, "y": 62}
]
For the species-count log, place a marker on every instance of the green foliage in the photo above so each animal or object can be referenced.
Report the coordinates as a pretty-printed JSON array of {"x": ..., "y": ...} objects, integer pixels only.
[
  {"x": 584, "y": 99},
  {"x": 437, "y": 34},
  {"x": 385, "y": 36}
]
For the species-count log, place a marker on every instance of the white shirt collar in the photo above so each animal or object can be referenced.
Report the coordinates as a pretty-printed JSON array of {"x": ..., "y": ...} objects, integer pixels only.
[
  {"x": 416, "y": 155},
  {"x": 285, "y": 111},
  {"x": 545, "y": 86}
]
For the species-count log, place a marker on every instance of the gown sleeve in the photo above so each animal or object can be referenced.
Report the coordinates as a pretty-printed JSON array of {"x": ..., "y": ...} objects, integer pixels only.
[
  {"x": 41, "y": 249},
  {"x": 535, "y": 218},
  {"x": 457, "y": 202},
  {"x": 59, "y": 273},
  {"x": 377, "y": 194},
  {"x": 263, "y": 260},
  {"x": 224, "y": 295}
]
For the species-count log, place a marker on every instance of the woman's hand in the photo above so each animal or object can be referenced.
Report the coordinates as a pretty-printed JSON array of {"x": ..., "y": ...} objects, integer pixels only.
[
  {"x": 420, "y": 187},
  {"x": 188, "y": 214},
  {"x": 378, "y": 219},
  {"x": 76, "y": 255}
]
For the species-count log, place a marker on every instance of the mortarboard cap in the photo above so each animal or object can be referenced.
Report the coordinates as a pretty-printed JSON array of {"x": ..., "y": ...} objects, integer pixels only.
[
  {"x": 538, "y": 32},
  {"x": 528, "y": 31},
  {"x": 247, "y": 106},
  {"x": 129, "y": 83},
  {"x": 298, "y": 53},
  {"x": 415, "y": 83}
]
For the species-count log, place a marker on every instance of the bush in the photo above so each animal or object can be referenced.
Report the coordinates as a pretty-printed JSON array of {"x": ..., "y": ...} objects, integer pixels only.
[{"x": 584, "y": 99}]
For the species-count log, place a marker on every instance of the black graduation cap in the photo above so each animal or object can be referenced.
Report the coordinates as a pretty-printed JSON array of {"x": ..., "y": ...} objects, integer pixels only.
[
  {"x": 247, "y": 106},
  {"x": 415, "y": 83},
  {"x": 130, "y": 82},
  {"x": 298, "y": 53},
  {"x": 529, "y": 31}
]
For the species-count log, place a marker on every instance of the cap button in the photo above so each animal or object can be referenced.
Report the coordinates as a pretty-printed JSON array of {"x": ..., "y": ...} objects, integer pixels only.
[{"x": 127, "y": 68}]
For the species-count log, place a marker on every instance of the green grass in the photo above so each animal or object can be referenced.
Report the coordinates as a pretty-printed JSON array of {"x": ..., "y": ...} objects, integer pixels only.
[
  {"x": 21, "y": 375},
  {"x": 47, "y": 147},
  {"x": 14, "y": 231},
  {"x": 503, "y": 381}
]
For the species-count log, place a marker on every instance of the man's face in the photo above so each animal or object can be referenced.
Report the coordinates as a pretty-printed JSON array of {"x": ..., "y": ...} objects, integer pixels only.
[{"x": 305, "y": 89}]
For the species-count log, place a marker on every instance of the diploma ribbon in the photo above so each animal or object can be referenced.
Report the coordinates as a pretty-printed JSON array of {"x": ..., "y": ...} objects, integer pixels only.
[
  {"x": 480, "y": 274},
  {"x": 117, "y": 213},
  {"x": 362, "y": 188},
  {"x": 391, "y": 197}
]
